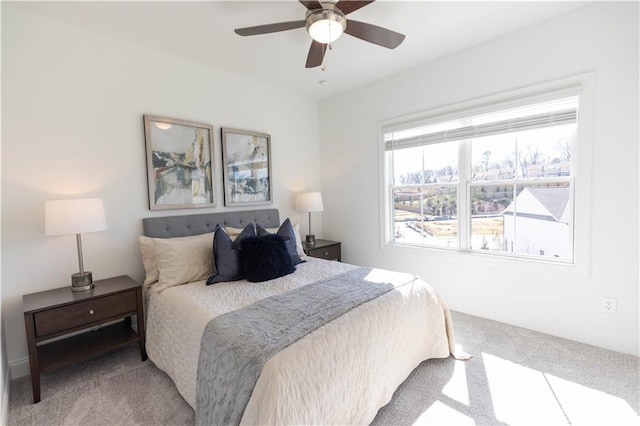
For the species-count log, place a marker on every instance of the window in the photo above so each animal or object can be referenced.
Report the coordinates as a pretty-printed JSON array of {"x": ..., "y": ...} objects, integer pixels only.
[{"x": 497, "y": 180}]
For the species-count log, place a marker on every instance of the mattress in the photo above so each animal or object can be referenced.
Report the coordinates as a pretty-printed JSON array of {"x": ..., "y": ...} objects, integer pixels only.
[{"x": 341, "y": 373}]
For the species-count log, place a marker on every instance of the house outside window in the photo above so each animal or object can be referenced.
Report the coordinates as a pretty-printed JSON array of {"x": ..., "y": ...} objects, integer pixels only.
[{"x": 497, "y": 179}]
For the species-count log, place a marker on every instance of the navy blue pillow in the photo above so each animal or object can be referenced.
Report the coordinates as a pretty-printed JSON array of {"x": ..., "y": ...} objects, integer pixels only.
[
  {"x": 265, "y": 258},
  {"x": 288, "y": 234},
  {"x": 226, "y": 256}
]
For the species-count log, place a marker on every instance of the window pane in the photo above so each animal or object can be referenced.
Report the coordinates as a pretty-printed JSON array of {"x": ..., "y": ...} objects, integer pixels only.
[
  {"x": 539, "y": 221},
  {"x": 493, "y": 157},
  {"x": 426, "y": 164},
  {"x": 531, "y": 154},
  {"x": 426, "y": 216},
  {"x": 488, "y": 204},
  {"x": 545, "y": 152}
]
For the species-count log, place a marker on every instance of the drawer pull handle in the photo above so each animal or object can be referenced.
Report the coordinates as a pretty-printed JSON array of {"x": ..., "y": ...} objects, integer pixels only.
[
  {"x": 91, "y": 312},
  {"x": 326, "y": 253}
]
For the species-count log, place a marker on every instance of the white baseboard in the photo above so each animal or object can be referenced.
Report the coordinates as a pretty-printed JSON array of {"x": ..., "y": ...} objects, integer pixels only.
[{"x": 19, "y": 368}]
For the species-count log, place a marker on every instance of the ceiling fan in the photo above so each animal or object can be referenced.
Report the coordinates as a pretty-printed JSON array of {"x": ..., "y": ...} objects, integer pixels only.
[{"x": 325, "y": 22}]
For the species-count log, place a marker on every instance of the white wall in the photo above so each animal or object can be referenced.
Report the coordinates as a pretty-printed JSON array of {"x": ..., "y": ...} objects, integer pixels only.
[
  {"x": 601, "y": 38},
  {"x": 72, "y": 126},
  {"x": 4, "y": 362}
]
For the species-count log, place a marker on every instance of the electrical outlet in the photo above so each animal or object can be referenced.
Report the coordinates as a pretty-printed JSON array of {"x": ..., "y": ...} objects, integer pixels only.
[{"x": 608, "y": 305}]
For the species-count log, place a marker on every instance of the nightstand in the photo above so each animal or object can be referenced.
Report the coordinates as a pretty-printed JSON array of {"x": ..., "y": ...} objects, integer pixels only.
[
  {"x": 324, "y": 249},
  {"x": 59, "y": 312}
]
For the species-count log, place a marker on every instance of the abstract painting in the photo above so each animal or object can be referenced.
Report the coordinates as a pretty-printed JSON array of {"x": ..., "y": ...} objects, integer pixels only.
[
  {"x": 179, "y": 163},
  {"x": 246, "y": 158}
]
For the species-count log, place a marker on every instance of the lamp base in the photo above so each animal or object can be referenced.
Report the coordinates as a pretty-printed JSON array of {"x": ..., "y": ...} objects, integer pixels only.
[
  {"x": 311, "y": 239},
  {"x": 82, "y": 281}
]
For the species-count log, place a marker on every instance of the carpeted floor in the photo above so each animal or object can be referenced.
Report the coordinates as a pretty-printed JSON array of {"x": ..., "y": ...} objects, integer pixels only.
[{"x": 516, "y": 377}]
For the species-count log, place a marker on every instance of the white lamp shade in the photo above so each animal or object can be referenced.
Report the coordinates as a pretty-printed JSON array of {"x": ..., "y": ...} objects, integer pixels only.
[
  {"x": 309, "y": 202},
  {"x": 63, "y": 217}
]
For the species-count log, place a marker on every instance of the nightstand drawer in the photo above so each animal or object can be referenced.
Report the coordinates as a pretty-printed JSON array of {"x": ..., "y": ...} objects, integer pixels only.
[
  {"x": 329, "y": 253},
  {"x": 86, "y": 313}
]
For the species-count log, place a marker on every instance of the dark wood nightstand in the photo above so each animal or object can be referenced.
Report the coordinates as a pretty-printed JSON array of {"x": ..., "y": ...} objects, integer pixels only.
[
  {"x": 324, "y": 249},
  {"x": 59, "y": 312}
]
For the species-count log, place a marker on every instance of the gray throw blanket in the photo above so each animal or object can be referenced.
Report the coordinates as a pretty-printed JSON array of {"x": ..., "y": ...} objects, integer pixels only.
[{"x": 236, "y": 345}]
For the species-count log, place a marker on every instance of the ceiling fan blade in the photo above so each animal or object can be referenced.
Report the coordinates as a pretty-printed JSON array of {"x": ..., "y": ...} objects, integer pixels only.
[
  {"x": 270, "y": 28},
  {"x": 311, "y": 4},
  {"x": 348, "y": 6},
  {"x": 316, "y": 54},
  {"x": 374, "y": 34}
]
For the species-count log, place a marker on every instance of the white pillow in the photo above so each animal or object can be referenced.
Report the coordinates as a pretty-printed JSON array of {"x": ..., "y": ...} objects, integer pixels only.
[
  {"x": 296, "y": 231},
  {"x": 233, "y": 232},
  {"x": 183, "y": 260},
  {"x": 148, "y": 253}
]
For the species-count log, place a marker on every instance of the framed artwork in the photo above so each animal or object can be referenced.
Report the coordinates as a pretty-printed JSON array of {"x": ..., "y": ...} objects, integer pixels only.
[
  {"x": 179, "y": 163},
  {"x": 246, "y": 158}
]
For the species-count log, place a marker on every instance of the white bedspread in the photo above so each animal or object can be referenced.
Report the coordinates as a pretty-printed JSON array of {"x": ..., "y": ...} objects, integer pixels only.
[{"x": 341, "y": 373}]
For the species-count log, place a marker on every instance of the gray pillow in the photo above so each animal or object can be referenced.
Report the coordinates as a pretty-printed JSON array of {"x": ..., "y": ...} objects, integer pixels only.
[{"x": 226, "y": 255}]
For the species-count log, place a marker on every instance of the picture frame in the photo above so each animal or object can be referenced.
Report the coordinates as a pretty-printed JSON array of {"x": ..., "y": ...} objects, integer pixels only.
[
  {"x": 179, "y": 163},
  {"x": 246, "y": 158}
]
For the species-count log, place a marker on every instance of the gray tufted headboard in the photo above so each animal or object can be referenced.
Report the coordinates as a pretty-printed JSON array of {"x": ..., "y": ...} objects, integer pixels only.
[{"x": 195, "y": 224}]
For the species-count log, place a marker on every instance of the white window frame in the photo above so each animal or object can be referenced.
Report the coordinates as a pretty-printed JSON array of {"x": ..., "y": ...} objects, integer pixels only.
[{"x": 582, "y": 85}]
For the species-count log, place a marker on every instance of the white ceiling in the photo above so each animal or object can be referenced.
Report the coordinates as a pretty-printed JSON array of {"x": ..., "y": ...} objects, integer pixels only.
[{"x": 203, "y": 32}]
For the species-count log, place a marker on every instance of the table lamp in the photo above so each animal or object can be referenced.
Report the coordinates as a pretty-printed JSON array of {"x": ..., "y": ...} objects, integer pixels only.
[
  {"x": 66, "y": 217},
  {"x": 309, "y": 202}
]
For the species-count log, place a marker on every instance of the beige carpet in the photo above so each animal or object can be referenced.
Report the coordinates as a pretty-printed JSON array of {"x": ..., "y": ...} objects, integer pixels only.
[{"x": 516, "y": 377}]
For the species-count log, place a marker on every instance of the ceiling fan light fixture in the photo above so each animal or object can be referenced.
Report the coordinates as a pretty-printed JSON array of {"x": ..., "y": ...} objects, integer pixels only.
[
  {"x": 326, "y": 25},
  {"x": 325, "y": 21}
]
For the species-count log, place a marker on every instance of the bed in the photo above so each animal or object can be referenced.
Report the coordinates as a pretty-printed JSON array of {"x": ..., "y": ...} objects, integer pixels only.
[{"x": 342, "y": 372}]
